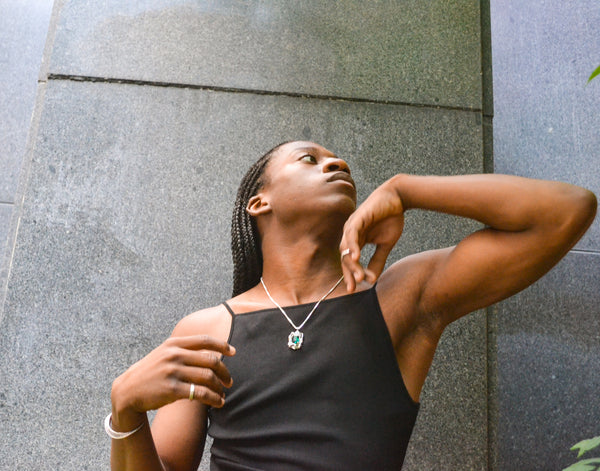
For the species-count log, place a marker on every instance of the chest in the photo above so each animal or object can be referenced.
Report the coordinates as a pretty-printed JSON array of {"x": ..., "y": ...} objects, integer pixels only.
[{"x": 341, "y": 386}]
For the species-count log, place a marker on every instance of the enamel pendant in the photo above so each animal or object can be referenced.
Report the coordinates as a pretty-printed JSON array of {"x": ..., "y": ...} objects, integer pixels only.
[{"x": 295, "y": 340}]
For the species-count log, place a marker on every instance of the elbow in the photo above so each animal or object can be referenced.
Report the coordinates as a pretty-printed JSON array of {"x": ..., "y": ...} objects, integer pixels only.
[
  {"x": 580, "y": 214},
  {"x": 587, "y": 207}
]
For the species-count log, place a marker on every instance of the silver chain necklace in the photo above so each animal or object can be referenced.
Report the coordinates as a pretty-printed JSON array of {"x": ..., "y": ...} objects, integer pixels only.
[{"x": 296, "y": 338}]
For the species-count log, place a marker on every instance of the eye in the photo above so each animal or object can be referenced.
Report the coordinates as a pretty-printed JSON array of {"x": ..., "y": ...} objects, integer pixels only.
[{"x": 309, "y": 158}]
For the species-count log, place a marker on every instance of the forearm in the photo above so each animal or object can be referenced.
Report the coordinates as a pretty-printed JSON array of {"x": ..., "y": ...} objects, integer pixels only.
[
  {"x": 502, "y": 202},
  {"x": 160, "y": 381},
  {"x": 532, "y": 224},
  {"x": 136, "y": 452}
]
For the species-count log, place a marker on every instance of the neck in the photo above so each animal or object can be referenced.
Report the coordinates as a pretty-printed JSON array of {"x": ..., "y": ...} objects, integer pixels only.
[{"x": 300, "y": 270}]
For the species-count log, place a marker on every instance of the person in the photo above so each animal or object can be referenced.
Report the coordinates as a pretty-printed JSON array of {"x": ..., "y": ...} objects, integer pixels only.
[{"x": 290, "y": 383}]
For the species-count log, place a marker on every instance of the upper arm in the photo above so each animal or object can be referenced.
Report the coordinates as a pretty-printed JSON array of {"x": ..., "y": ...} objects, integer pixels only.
[
  {"x": 490, "y": 265},
  {"x": 484, "y": 268},
  {"x": 179, "y": 433},
  {"x": 179, "y": 428}
]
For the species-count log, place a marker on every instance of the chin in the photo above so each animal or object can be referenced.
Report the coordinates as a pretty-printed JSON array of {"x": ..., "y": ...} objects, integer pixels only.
[{"x": 350, "y": 205}]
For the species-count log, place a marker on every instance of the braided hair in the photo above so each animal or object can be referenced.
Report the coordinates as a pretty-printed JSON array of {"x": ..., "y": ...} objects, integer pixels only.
[{"x": 245, "y": 238}]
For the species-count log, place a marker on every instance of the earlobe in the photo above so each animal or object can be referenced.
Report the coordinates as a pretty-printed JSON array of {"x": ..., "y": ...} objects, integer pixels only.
[{"x": 258, "y": 205}]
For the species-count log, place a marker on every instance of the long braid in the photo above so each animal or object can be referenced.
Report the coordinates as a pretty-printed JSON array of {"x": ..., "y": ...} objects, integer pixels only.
[{"x": 245, "y": 239}]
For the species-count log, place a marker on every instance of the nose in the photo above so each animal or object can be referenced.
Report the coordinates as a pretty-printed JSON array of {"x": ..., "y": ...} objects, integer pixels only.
[{"x": 335, "y": 164}]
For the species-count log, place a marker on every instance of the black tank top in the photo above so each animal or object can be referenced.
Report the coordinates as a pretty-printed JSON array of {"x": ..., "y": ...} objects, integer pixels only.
[{"x": 338, "y": 403}]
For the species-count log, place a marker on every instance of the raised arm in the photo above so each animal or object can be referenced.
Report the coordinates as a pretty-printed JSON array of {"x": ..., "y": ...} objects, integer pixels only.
[{"x": 531, "y": 225}]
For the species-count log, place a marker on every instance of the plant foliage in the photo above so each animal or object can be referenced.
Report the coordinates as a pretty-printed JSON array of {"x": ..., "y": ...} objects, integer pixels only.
[
  {"x": 594, "y": 73},
  {"x": 591, "y": 464},
  {"x": 586, "y": 445}
]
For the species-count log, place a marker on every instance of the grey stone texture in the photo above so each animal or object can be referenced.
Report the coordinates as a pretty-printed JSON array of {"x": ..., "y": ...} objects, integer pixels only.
[
  {"x": 23, "y": 29},
  {"x": 548, "y": 357},
  {"x": 122, "y": 235},
  {"x": 128, "y": 188},
  {"x": 409, "y": 51},
  {"x": 546, "y": 126},
  {"x": 6, "y": 211},
  {"x": 546, "y": 118},
  {"x": 451, "y": 430}
]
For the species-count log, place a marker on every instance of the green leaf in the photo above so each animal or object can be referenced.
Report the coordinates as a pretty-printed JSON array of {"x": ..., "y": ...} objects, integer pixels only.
[
  {"x": 594, "y": 74},
  {"x": 585, "y": 465},
  {"x": 586, "y": 445}
]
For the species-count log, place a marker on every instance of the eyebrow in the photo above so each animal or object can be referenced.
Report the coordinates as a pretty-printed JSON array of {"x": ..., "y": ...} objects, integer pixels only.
[{"x": 313, "y": 149}]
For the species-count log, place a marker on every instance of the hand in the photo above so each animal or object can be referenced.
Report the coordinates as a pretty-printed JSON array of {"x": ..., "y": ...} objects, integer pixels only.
[
  {"x": 166, "y": 373},
  {"x": 380, "y": 221}
]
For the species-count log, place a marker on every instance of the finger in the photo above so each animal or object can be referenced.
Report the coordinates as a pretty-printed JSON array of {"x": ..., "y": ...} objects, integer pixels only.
[
  {"x": 350, "y": 241},
  {"x": 377, "y": 262},
  {"x": 348, "y": 278},
  {"x": 353, "y": 273},
  {"x": 352, "y": 270},
  {"x": 201, "y": 393},
  {"x": 211, "y": 361},
  {"x": 201, "y": 377},
  {"x": 203, "y": 342}
]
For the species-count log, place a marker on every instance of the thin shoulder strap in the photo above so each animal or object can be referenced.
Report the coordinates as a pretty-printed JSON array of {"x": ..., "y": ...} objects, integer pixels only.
[{"x": 229, "y": 309}]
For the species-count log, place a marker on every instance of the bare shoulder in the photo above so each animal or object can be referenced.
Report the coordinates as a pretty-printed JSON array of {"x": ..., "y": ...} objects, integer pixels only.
[{"x": 213, "y": 321}]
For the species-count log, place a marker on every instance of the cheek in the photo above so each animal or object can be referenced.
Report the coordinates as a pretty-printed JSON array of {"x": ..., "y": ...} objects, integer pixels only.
[
  {"x": 292, "y": 195},
  {"x": 291, "y": 184}
]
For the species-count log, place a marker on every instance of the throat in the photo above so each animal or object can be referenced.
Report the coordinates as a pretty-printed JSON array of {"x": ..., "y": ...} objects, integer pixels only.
[
  {"x": 301, "y": 290},
  {"x": 302, "y": 273}
]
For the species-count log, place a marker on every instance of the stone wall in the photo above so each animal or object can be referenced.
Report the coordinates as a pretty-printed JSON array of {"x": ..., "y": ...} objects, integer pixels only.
[
  {"x": 546, "y": 125},
  {"x": 147, "y": 115}
]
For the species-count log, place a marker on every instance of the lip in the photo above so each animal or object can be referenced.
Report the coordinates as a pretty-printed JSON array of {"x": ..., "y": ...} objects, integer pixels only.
[{"x": 342, "y": 176}]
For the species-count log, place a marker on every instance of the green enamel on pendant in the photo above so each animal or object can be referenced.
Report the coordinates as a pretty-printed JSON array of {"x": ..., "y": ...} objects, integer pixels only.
[{"x": 295, "y": 340}]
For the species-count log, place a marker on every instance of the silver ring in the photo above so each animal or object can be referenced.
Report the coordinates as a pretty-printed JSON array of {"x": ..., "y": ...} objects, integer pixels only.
[
  {"x": 192, "y": 388},
  {"x": 345, "y": 252}
]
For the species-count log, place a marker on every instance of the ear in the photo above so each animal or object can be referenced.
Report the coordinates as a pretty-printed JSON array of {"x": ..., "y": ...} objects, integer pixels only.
[{"x": 258, "y": 205}]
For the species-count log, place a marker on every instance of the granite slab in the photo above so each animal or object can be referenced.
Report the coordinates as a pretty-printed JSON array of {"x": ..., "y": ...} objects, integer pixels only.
[
  {"x": 125, "y": 229},
  {"x": 451, "y": 430},
  {"x": 409, "y": 51},
  {"x": 546, "y": 118},
  {"x": 23, "y": 29},
  {"x": 6, "y": 211},
  {"x": 548, "y": 377}
]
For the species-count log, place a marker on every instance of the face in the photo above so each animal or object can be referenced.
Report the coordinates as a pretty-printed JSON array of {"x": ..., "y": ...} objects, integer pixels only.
[{"x": 304, "y": 176}]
